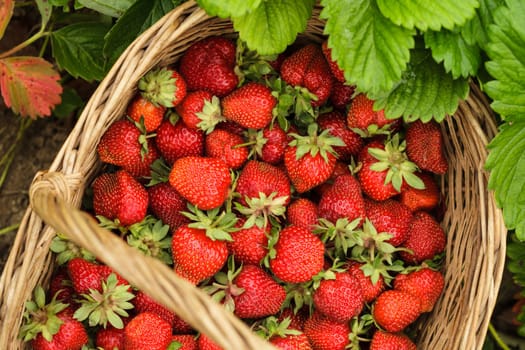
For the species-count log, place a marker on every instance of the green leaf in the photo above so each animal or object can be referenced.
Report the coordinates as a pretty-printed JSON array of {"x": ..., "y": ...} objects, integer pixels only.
[
  {"x": 506, "y": 162},
  {"x": 425, "y": 92},
  {"x": 45, "y": 9},
  {"x": 113, "y": 8},
  {"x": 506, "y": 51},
  {"x": 424, "y": 14},
  {"x": 77, "y": 48},
  {"x": 475, "y": 31},
  {"x": 231, "y": 8},
  {"x": 139, "y": 17},
  {"x": 273, "y": 25},
  {"x": 459, "y": 58},
  {"x": 371, "y": 50},
  {"x": 71, "y": 101}
]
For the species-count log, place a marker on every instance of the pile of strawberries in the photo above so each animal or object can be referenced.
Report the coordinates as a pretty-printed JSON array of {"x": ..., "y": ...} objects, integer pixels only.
[{"x": 273, "y": 186}]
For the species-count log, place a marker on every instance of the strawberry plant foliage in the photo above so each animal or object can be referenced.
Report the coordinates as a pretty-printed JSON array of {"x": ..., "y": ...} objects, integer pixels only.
[
  {"x": 113, "y": 8},
  {"x": 232, "y": 8},
  {"x": 6, "y": 11}
]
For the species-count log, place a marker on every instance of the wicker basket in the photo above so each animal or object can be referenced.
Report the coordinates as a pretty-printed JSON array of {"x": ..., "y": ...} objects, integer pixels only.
[{"x": 476, "y": 234}]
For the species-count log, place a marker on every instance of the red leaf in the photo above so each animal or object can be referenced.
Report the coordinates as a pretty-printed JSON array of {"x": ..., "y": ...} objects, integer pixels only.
[
  {"x": 29, "y": 85},
  {"x": 6, "y": 11}
]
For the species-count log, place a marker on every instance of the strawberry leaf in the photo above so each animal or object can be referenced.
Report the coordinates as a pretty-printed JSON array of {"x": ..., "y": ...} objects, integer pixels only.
[
  {"x": 371, "y": 50},
  {"x": 6, "y": 11},
  {"x": 506, "y": 163},
  {"x": 29, "y": 85},
  {"x": 77, "y": 48},
  {"x": 231, "y": 8},
  {"x": 425, "y": 92},
  {"x": 45, "y": 9},
  {"x": 423, "y": 15},
  {"x": 475, "y": 31},
  {"x": 113, "y": 8},
  {"x": 273, "y": 25},
  {"x": 459, "y": 58},
  {"x": 506, "y": 51}
]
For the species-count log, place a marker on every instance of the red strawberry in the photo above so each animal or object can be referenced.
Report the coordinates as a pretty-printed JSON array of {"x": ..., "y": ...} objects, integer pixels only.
[
  {"x": 270, "y": 144},
  {"x": 71, "y": 335},
  {"x": 209, "y": 65},
  {"x": 425, "y": 146},
  {"x": 426, "y": 199},
  {"x": 181, "y": 327},
  {"x": 258, "y": 177},
  {"x": 341, "y": 95},
  {"x": 299, "y": 255},
  {"x": 61, "y": 287},
  {"x": 307, "y": 67},
  {"x": 291, "y": 342},
  {"x": 261, "y": 296},
  {"x": 119, "y": 196},
  {"x": 176, "y": 140},
  {"x": 151, "y": 114},
  {"x": 391, "y": 341},
  {"x": 339, "y": 299},
  {"x": 337, "y": 72},
  {"x": 87, "y": 276},
  {"x": 225, "y": 145},
  {"x": 302, "y": 212},
  {"x": 362, "y": 117},
  {"x": 249, "y": 245},
  {"x": 394, "y": 310},
  {"x": 200, "y": 110},
  {"x": 342, "y": 200},
  {"x": 426, "y": 284},
  {"x": 209, "y": 189},
  {"x": 147, "y": 331},
  {"x": 297, "y": 319},
  {"x": 186, "y": 341},
  {"x": 310, "y": 160},
  {"x": 335, "y": 123},
  {"x": 425, "y": 239},
  {"x": 370, "y": 290},
  {"x": 167, "y": 204},
  {"x": 164, "y": 87},
  {"x": 251, "y": 105},
  {"x": 123, "y": 145},
  {"x": 389, "y": 216},
  {"x": 144, "y": 303},
  {"x": 326, "y": 334},
  {"x": 205, "y": 343},
  {"x": 110, "y": 338}
]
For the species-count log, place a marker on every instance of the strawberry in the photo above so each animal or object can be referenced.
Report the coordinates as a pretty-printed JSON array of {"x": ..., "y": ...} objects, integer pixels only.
[
  {"x": 310, "y": 160},
  {"x": 175, "y": 140},
  {"x": 326, "y": 334},
  {"x": 249, "y": 245},
  {"x": 200, "y": 110},
  {"x": 391, "y": 341},
  {"x": 208, "y": 64},
  {"x": 71, "y": 335},
  {"x": 164, "y": 87},
  {"x": 261, "y": 295},
  {"x": 124, "y": 145},
  {"x": 251, "y": 105},
  {"x": 394, "y": 310},
  {"x": 205, "y": 343},
  {"x": 341, "y": 95},
  {"x": 302, "y": 212},
  {"x": 425, "y": 239},
  {"x": 307, "y": 67},
  {"x": 370, "y": 289},
  {"x": 426, "y": 284},
  {"x": 181, "y": 327},
  {"x": 342, "y": 200},
  {"x": 119, "y": 196},
  {"x": 87, "y": 276},
  {"x": 142, "y": 108},
  {"x": 337, "y": 72},
  {"x": 425, "y": 146},
  {"x": 334, "y": 122},
  {"x": 185, "y": 342},
  {"x": 425, "y": 199},
  {"x": 147, "y": 331},
  {"x": 385, "y": 167},
  {"x": 208, "y": 190},
  {"x": 298, "y": 255},
  {"x": 110, "y": 338},
  {"x": 167, "y": 204},
  {"x": 389, "y": 216},
  {"x": 297, "y": 319},
  {"x": 270, "y": 143},
  {"x": 363, "y": 119},
  {"x": 227, "y": 146},
  {"x": 144, "y": 303},
  {"x": 60, "y": 287},
  {"x": 291, "y": 342},
  {"x": 339, "y": 299}
]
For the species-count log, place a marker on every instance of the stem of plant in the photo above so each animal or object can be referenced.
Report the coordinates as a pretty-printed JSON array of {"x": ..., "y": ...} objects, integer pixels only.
[
  {"x": 24, "y": 44},
  {"x": 8, "y": 229},
  {"x": 497, "y": 338}
]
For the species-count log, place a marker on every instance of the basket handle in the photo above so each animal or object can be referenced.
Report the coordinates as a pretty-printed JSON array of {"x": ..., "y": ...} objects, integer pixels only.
[{"x": 144, "y": 272}]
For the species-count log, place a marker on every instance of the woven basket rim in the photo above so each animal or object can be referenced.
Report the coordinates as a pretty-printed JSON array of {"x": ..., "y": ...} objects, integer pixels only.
[{"x": 470, "y": 130}]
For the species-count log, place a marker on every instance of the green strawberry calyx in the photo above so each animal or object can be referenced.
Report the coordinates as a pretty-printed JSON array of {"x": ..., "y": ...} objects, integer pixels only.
[
  {"x": 339, "y": 237},
  {"x": 271, "y": 327},
  {"x": 263, "y": 209},
  {"x": 394, "y": 160},
  {"x": 159, "y": 87},
  {"x": 217, "y": 224},
  {"x": 315, "y": 143},
  {"x": 211, "y": 115},
  {"x": 223, "y": 289},
  {"x": 150, "y": 236}
]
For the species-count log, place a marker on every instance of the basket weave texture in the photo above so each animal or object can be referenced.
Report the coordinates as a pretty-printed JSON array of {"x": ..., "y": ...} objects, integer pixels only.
[{"x": 475, "y": 251}]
